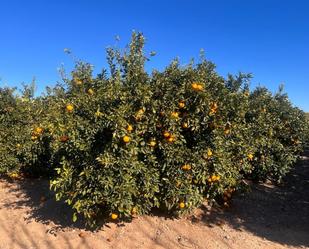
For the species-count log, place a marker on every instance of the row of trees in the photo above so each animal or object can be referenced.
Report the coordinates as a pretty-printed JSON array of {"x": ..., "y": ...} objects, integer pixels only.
[{"x": 123, "y": 142}]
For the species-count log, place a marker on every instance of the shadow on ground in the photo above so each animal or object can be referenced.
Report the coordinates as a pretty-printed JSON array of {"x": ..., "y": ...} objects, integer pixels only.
[
  {"x": 44, "y": 208},
  {"x": 279, "y": 214}
]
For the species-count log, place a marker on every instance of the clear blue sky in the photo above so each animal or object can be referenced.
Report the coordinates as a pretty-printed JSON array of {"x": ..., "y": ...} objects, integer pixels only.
[{"x": 269, "y": 38}]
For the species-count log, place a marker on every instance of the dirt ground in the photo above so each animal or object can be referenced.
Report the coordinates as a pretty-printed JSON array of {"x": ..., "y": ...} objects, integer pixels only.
[{"x": 269, "y": 217}]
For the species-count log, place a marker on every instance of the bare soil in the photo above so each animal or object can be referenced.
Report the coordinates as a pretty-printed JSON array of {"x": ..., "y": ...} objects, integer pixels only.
[{"x": 271, "y": 217}]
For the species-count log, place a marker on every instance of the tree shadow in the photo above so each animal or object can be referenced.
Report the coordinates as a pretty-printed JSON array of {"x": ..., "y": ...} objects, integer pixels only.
[
  {"x": 44, "y": 208},
  {"x": 276, "y": 213}
]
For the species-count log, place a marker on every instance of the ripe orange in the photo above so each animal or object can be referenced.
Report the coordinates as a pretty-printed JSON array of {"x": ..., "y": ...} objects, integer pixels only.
[
  {"x": 126, "y": 139},
  {"x": 140, "y": 112},
  {"x": 181, "y": 104},
  {"x": 134, "y": 211},
  {"x": 69, "y": 107},
  {"x": 33, "y": 138},
  {"x": 209, "y": 153},
  {"x": 38, "y": 130},
  {"x": 182, "y": 205},
  {"x": 213, "y": 108},
  {"x": 64, "y": 138},
  {"x": 129, "y": 128},
  {"x": 175, "y": 115},
  {"x": 185, "y": 125},
  {"x": 197, "y": 86},
  {"x": 250, "y": 157},
  {"x": 78, "y": 81},
  {"x": 152, "y": 143},
  {"x": 200, "y": 87},
  {"x": 214, "y": 105},
  {"x": 114, "y": 216},
  {"x": 194, "y": 86},
  {"x": 171, "y": 139},
  {"x": 166, "y": 134},
  {"x": 215, "y": 178},
  {"x": 186, "y": 167},
  {"x": 226, "y": 131},
  {"x": 15, "y": 176},
  {"x": 90, "y": 91}
]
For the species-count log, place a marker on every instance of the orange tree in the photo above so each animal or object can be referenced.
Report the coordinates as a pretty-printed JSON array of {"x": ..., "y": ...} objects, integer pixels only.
[
  {"x": 24, "y": 142},
  {"x": 278, "y": 131},
  {"x": 126, "y": 141},
  {"x": 130, "y": 141}
]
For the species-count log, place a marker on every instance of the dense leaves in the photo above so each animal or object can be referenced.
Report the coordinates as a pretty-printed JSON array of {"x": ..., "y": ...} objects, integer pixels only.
[{"x": 124, "y": 142}]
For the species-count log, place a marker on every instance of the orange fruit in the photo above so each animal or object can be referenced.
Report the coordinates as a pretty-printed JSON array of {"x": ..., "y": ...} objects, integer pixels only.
[
  {"x": 140, "y": 112},
  {"x": 78, "y": 81},
  {"x": 250, "y": 157},
  {"x": 182, "y": 205},
  {"x": 152, "y": 143},
  {"x": 114, "y": 216},
  {"x": 175, "y": 115},
  {"x": 200, "y": 87},
  {"x": 185, "y": 125},
  {"x": 14, "y": 176},
  {"x": 194, "y": 86},
  {"x": 181, "y": 104},
  {"x": 213, "y": 108},
  {"x": 209, "y": 153},
  {"x": 64, "y": 138},
  {"x": 129, "y": 128},
  {"x": 166, "y": 134},
  {"x": 126, "y": 139},
  {"x": 226, "y": 131},
  {"x": 171, "y": 139},
  {"x": 38, "y": 130},
  {"x": 197, "y": 86},
  {"x": 186, "y": 167},
  {"x": 33, "y": 138},
  {"x": 214, "y": 105},
  {"x": 134, "y": 211},
  {"x": 90, "y": 91},
  {"x": 213, "y": 178},
  {"x": 69, "y": 107}
]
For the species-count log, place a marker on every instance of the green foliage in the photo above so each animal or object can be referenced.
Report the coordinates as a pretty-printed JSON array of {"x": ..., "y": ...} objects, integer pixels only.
[{"x": 124, "y": 142}]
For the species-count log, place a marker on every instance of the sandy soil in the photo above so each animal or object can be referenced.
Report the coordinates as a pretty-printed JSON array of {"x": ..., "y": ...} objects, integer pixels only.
[{"x": 269, "y": 217}]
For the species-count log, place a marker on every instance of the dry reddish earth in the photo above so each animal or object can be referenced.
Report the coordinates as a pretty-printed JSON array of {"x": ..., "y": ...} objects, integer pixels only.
[{"x": 269, "y": 217}]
